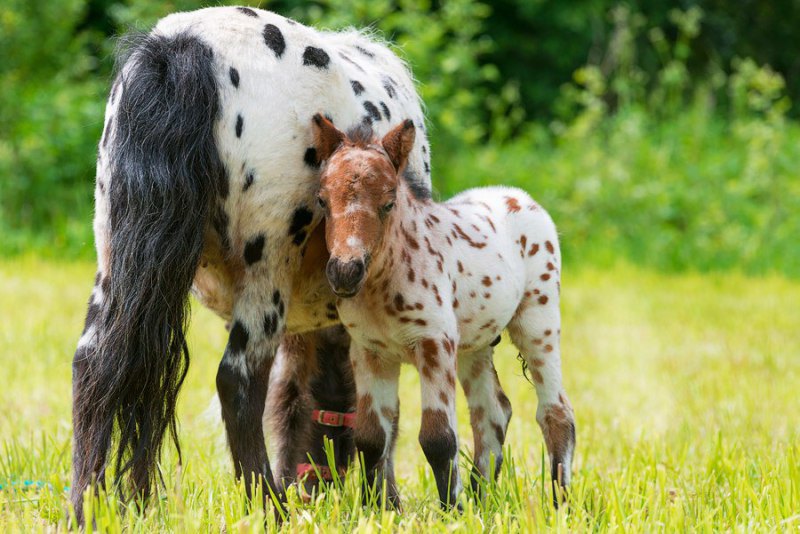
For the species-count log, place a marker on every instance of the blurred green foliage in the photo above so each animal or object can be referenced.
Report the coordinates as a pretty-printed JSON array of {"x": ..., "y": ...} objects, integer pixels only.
[{"x": 653, "y": 133}]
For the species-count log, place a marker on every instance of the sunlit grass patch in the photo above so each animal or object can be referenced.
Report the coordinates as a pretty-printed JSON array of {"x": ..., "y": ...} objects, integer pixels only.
[{"x": 684, "y": 388}]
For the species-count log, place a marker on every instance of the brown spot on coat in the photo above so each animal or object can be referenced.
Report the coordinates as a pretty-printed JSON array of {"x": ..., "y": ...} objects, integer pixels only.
[
  {"x": 413, "y": 243},
  {"x": 451, "y": 379},
  {"x": 476, "y": 369},
  {"x": 433, "y": 424},
  {"x": 399, "y": 302},
  {"x": 463, "y": 235},
  {"x": 430, "y": 352},
  {"x": 499, "y": 433},
  {"x": 513, "y": 204}
]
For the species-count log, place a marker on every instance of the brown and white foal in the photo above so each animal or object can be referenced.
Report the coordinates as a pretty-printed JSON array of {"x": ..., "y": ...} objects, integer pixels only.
[{"x": 434, "y": 285}]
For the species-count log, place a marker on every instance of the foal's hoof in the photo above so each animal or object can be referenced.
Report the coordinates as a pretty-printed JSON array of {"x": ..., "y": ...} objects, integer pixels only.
[
  {"x": 459, "y": 508},
  {"x": 560, "y": 496}
]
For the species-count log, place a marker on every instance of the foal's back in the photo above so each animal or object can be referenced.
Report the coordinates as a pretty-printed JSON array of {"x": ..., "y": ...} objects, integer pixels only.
[
  {"x": 500, "y": 243},
  {"x": 513, "y": 226}
]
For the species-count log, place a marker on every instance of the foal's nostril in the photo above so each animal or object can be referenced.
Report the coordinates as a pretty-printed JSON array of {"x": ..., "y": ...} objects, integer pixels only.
[
  {"x": 330, "y": 269},
  {"x": 358, "y": 269},
  {"x": 345, "y": 277}
]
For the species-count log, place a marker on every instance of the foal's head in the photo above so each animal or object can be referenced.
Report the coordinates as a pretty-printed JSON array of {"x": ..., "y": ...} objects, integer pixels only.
[{"x": 358, "y": 187}]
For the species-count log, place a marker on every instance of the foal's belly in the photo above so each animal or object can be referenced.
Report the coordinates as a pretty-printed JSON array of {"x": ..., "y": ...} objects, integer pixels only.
[
  {"x": 488, "y": 296},
  {"x": 480, "y": 327}
]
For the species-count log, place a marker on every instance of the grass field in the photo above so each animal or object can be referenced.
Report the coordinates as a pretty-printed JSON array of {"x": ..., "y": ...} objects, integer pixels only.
[{"x": 685, "y": 389}]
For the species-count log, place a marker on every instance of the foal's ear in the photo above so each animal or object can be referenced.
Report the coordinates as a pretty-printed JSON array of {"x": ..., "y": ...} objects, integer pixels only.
[
  {"x": 398, "y": 142},
  {"x": 326, "y": 137}
]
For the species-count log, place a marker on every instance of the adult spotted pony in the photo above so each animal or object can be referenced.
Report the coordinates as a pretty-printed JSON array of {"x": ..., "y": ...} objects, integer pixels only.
[{"x": 206, "y": 182}]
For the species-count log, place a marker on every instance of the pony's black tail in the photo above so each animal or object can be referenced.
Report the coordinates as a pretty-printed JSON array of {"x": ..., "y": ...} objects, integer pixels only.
[{"x": 165, "y": 176}]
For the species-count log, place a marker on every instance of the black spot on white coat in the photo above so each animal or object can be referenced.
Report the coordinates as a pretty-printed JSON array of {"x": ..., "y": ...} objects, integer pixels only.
[
  {"x": 234, "y": 74},
  {"x": 274, "y": 39},
  {"x": 316, "y": 57},
  {"x": 364, "y": 51},
  {"x": 388, "y": 86},
  {"x": 238, "y": 338},
  {"x": 247, "y": 11},
  {"x": 357, "y": 87},
  {"x": 302, "y": 217},
  {"x": 254, "y": 249},
  {"x": 270, "y": 324},
  {"x": 310, "y": 158},
  {"x": 372, "y": 111},
  {"x": 239, "y": 125},
  {"x": 248, "y": 181},
  {"x": 386, "y": 112}
]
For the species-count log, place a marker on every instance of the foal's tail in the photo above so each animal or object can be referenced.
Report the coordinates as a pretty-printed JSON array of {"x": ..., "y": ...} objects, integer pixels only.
[{"x": 165, "y": 176}]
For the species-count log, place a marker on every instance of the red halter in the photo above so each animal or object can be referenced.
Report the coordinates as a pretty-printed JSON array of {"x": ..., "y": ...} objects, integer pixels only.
[{"x": 327, "y": 418}]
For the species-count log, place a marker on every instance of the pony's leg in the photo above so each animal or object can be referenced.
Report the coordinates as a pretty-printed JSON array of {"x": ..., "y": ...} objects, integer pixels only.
[
  {"x": 243, "y": 378},
  {"x": 377, "y": 413},
  {"x": 489, "y": 412},
  {"x": 535, "y": 330},
  {"x": 436, "y": 362},
  {"x": 289, "y": 404}
]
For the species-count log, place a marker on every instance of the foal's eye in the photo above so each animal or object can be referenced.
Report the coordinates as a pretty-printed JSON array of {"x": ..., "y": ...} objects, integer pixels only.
[
  {"x": 321, "y": 202},
  {"x": 386, "y": 208}
]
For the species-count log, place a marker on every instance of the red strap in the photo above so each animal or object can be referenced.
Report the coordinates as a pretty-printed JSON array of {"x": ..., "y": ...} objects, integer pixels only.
[
  {"x": 324, "y": 471},
  {"x": 329, "y": 418}
]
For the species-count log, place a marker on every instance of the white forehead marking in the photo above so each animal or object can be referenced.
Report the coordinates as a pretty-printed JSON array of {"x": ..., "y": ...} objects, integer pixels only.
[
  {"x": 351, "y": 210},
  {"x": 355, "y": 207},
  {"x": 354, "y": 242}
]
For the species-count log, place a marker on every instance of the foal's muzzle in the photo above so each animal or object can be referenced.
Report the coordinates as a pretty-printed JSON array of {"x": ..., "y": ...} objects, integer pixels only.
[{"x": 346, "y": 278}]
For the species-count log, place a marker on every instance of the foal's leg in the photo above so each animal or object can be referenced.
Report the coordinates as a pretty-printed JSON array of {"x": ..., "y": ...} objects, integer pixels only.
[
  {"x": 333, "y": 388},
  {"x": 311, "y": 371},
  {"x": 377, "y": 413},
  {"x": 535, "y": 330},
  {"x": 489, "y": 411},
  {"x": 436, "y": 362},
  {"x": 243, "y": 378},
  {"x": 289, "y": 404}
]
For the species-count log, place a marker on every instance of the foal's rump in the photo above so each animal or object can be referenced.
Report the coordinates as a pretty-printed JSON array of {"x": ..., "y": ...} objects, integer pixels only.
[{"x": 511, "y": 214}]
